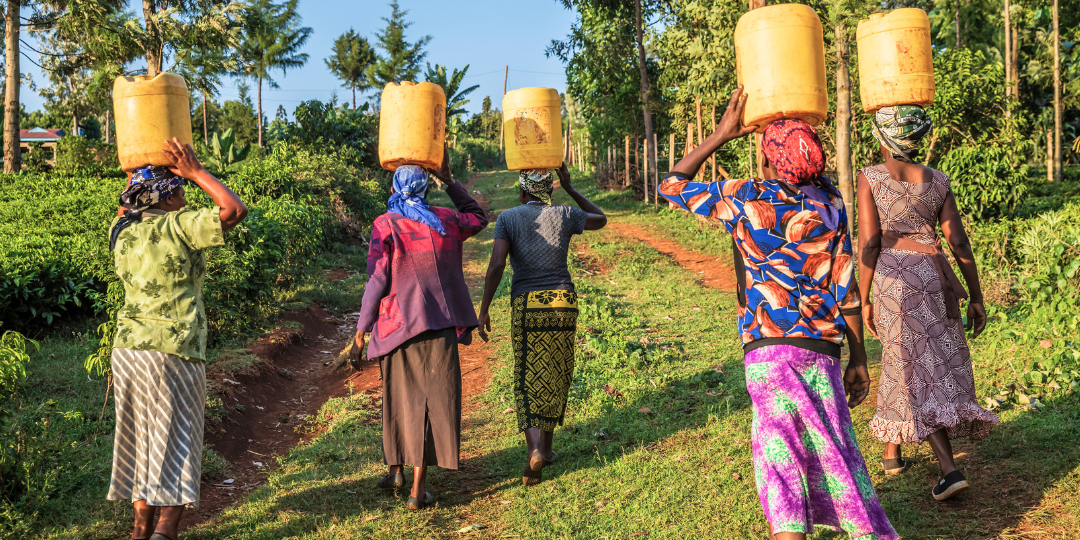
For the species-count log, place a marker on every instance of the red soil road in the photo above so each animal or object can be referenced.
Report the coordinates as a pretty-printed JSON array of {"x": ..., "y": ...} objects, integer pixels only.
[
  {"x": 713, "y": 273},
  {"x": 299, "y": 367}
]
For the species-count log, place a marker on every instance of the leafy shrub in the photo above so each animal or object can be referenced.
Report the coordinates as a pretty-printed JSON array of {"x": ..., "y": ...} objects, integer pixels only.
[
  {"x": 81, "y": 156},
  {"x": 329, "y": 128},
  {"x": 36, "y": 160},
  {"x": 223, "y": 152},
  {"x": 56, "y": 263},
  {"x": 984, "y": 177}
]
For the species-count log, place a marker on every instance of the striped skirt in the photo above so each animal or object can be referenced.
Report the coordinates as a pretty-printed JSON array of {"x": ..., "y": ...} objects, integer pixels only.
[
  {"x": 157, "y": 453},
  {"x": 543, "y": 328}
]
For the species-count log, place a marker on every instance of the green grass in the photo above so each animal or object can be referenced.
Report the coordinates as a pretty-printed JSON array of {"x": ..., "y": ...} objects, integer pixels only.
[{"x": 680, "y": 469}]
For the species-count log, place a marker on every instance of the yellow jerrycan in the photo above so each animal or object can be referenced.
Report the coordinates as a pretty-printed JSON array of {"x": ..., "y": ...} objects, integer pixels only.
[
  {"x": 532, "y": 126},
  {"x": 780, "y": 61},
  {"x": 896, "y": 64},
  {"x": 149, "y": 111},
  {"x": 412, "y": 125}
]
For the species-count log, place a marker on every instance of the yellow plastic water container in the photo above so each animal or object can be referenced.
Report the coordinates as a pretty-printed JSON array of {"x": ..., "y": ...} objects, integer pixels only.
[
  {"x": 780, "y": 61},
  {"x": 896, "y": 63},
  {"x": 150, "y": 111},
  {"x": 532, "y": 126},
  {"x": 412, "y": 125}
]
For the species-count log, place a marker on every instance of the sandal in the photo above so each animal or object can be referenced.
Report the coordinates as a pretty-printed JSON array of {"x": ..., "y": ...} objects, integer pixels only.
[
  {"x": 417, "y": 504},
  {"x": 949, "y": 486},
  {"x": 554, "y": 458},
  {"x": 392, "y": 481},
  {"x": 895, "y": 465},
  {"x": 534, "y": 470}
]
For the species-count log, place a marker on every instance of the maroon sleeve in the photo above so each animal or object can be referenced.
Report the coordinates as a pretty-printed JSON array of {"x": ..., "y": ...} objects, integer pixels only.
[
  {"x": 380, "y": 256},
  {"x": 471, "y": 218}
]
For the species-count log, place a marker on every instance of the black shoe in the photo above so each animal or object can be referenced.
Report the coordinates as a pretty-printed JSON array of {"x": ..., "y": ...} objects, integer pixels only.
[
  {"x": 392, "y": 481},
  {"x": 895, "y": 465},
  {"x": 416, "y": 504},
  {"x": 949, "y": 486}
]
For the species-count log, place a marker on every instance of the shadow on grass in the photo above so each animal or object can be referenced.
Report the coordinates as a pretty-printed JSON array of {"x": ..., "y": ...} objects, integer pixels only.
[{"x": 332, "y": 479}]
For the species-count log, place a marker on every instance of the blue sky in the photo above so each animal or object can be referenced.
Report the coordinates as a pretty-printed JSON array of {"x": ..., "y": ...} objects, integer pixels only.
[{"x": 486, "y": 34}]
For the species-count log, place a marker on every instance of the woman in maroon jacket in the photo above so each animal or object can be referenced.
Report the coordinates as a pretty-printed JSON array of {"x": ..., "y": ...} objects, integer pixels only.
[{"x": 416, "y": 309}]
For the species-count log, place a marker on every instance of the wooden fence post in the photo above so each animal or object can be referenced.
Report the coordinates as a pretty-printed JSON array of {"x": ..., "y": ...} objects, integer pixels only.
[
  {"x": 671, "y": 151},
  {"x": 712, "y": 158},
  {"x": 645, "y": 176},
  {"x": 656, "y": 173}
]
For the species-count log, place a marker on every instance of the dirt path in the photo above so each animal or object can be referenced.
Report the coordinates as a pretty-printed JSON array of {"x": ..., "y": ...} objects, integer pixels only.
[
  {"x": 713, "y": 273},
  {"x": 267, "y": 403}
]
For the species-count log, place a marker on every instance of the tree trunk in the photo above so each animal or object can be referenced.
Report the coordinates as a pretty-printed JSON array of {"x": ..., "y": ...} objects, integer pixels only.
[
  {"x": 354, "y": 97},
  {"x": 153, "y": 49},
  {"x": 1049, "y": 155},
  {"x": 626, "y": 180},
  {"x": 108, "y": 126},
  {"x": 1057, "y": 94},
  {"x": 1015, "y": 44},
  {"x": 957, "y": 23},
  {"x": 644, "y": 77},
  {"x": 502, "y": 135},
  {"x": 205, "y": 126},
  {"x": 12, "y": 81},
  {"x": 755, "y": 4},
  {"x": 260, "y": 111},
  {"x": 1008, "y": 54},
  {"x": 843, "y": 124}
]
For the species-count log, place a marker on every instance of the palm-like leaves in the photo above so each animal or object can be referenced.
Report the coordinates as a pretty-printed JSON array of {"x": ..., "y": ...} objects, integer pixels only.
[
  {"x": 352, "y": 56},
  {"x": 455, "y": 97},
  {"x": 224, "y": 152},
  {"x": 272, "y": 42}
]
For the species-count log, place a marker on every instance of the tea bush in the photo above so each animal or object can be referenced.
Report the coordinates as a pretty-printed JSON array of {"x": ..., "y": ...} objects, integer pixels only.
[{"x": 56, "y": 263}]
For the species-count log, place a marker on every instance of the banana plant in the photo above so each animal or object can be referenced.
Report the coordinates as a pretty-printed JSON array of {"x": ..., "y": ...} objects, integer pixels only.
[{"x": 224, "y": 152}]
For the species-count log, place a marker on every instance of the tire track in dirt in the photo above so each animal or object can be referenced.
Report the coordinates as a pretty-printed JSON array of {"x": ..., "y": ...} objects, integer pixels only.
[
  {"x": 301, "y": 365},
  {"x": 712, "y": 272}
]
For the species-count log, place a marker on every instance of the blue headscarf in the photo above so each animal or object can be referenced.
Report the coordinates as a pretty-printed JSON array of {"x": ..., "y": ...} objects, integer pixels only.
[
  {"x": 410, "y": 186},
  {"x": 148, "y": 186}
]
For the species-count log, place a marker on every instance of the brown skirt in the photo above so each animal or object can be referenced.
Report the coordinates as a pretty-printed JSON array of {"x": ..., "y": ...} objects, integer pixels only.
[{"x": 422, "y": 401}]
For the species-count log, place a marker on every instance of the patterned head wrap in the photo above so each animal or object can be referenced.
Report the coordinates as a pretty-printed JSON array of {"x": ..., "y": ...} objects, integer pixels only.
[
  {"x": 900, "y": 129},
  {"x": 537, "y": 182},
  {"x": 147, "y": 187},
  {"x": 410, "y": 187},
  {"x": 794, "y": 149}
]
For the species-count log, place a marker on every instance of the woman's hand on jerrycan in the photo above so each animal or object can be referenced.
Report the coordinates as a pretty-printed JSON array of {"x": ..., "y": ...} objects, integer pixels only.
[
  {"x": 443, "y": 173},
  {"x": 183, "y": 161},
  {"x": 564, "y": 177},
  {"x": 730, "y": 127}
]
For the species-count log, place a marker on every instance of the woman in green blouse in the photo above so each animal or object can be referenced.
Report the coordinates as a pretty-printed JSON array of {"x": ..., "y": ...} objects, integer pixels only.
[{"x": 159, "y": 379}]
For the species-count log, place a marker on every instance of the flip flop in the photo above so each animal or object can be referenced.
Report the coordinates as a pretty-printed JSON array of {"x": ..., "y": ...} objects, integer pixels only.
[
  {"x": 895, "y": 466},
  {"x": 416, "y": 504},
  {"x": 534, "y": 470},
  {"x": 392, "y": 481},
  {"x": 554, "y": 458}
]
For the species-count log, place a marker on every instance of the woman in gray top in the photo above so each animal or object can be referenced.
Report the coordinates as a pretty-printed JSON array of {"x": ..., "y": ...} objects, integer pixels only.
[{"x": 536, "y": 236}]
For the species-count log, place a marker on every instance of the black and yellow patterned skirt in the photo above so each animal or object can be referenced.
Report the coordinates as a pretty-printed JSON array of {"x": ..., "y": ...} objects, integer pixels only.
[{"x": 543, "y": 328}]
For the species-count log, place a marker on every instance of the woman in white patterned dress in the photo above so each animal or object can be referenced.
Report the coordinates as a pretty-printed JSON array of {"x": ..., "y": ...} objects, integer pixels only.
[{"x": 927, "y": 389}]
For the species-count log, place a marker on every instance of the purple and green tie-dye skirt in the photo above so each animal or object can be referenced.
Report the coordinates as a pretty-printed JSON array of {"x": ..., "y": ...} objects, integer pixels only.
[{"x": 807, "y": 462}]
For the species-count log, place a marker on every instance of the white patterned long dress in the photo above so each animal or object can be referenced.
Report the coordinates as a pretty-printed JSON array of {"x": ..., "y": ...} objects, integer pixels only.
[{"x": 926, "y": 378}]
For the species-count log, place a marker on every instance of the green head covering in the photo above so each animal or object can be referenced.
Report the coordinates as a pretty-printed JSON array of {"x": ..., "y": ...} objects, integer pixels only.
[
  {"x": 538, "y": 183},
  {"x": 901, "y": 128}
]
